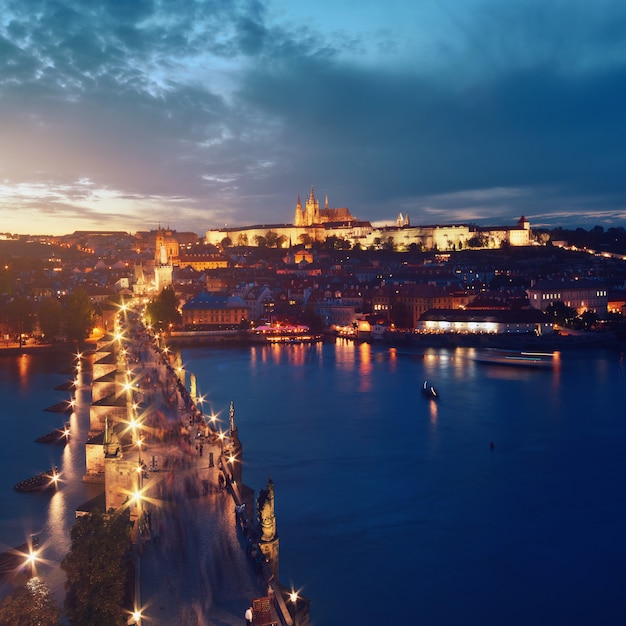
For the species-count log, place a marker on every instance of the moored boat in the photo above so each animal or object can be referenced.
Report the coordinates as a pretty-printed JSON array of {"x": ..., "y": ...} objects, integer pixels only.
[{"x": 283, "y": 333}]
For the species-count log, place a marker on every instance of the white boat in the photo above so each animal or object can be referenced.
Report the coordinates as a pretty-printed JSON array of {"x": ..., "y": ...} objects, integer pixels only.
[
  {"x": 495, "y": 356},
  {"x": 429, "y": 391}
]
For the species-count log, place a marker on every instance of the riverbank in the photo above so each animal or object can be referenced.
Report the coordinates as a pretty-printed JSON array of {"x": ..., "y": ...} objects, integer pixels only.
[
  {"x": 14, "y": 348},
  {"x": 569, "y": 341}
]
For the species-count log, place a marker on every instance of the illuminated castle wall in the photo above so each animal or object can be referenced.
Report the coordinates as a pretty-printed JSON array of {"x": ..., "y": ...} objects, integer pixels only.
[{"x": 315, "y": 224}]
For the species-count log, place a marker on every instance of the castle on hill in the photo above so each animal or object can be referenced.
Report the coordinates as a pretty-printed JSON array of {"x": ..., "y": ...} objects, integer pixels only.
[
  {"x": 312, "y": 214},
  {"x": 312, "y": 223}
]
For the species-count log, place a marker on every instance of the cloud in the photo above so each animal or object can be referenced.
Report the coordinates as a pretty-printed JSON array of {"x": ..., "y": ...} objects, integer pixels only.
[{"x": 238, "y": 111}]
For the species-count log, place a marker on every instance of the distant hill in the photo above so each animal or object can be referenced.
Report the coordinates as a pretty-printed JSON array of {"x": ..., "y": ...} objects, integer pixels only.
[{"x": 16, "y": 248}]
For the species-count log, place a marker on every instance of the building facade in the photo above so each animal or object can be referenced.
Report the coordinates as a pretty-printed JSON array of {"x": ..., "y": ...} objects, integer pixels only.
[
  {"x": 580, "y": 295},
  {"x": 214, "y": 311}
]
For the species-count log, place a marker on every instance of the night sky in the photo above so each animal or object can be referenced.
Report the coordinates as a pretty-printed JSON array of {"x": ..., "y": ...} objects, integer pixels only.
[{"x": 122, "y": 114}]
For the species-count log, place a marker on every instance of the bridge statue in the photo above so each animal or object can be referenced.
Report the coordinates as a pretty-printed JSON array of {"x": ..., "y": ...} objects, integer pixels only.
[
  {"x": 233, "y": 428},
  {"x": 265, "y": 506},
  {"x": 193, "y": 390}
]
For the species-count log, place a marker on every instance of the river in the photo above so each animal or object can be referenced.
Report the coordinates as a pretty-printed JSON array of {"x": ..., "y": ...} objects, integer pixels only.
[{"x": 392, "y": 507}]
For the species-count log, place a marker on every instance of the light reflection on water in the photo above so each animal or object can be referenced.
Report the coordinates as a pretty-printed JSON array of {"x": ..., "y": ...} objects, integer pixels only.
[
  {"x": 360, "y": 458},
  {"x": 382, "y": 493}
]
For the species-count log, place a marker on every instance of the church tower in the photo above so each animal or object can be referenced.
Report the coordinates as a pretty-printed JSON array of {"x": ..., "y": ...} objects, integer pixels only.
[
  {"x": 299, "y": 217},
  {"x": 312, "y": 209},
  {"x": 165, "y": 250}
]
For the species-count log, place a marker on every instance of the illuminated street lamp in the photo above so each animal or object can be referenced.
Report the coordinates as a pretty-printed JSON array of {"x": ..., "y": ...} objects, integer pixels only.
[
  {"x": 139, "y": 444},
  {"x": 293, "y": 597}
]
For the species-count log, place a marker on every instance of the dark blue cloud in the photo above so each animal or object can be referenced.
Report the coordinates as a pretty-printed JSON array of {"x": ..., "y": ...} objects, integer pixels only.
[{"x": 512, "y": 108}]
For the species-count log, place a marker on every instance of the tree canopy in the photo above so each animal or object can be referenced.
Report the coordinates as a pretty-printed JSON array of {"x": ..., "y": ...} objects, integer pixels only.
[
  {"x": 96, "y": 569},
  {"x": 79, "y": 315},
  {"x": 163, "y": 310},
  {"x": 30, "y": 605},
  {"x": 50, "y": 317}
]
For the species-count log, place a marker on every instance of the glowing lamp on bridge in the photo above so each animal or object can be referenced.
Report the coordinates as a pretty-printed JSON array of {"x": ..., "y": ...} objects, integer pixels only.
[
  {"x": 293, "y": 598},
  {"x": 232, "y": 459},
  {"x": 135, "y": 617},
  {"x": 31, "y": 557}
]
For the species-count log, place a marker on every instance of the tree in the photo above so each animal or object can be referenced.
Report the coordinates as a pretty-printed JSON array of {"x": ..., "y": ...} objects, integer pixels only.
[
  {"x": 589, "y": 319},
  {"x": 560, "y": 313},
  {"x": 30, "y": 605},
  {"x": 305, "y": 239},
  {"x": 274, "y": 240},
  {"x": 260, "y": 241},
  {"x": 242, "y": 239},
  {"x": 332, "y": 242},
  {"x": 227, "y": 242},
  {"x": 312, "y": 319},
  {"x": 163, "y": 310},
  {"x": 79, "y": 315},
  {"x": 19, "y": 314},
  {"x": 96, "y": 570},
  {"x": 50, "y": 318},
  {"x": 478, "y": 241},
  {"x": 389, "y": 244}
]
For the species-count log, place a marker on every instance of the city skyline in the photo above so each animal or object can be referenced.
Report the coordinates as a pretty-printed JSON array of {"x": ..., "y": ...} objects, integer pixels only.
[{"x": 124, "y": 115}]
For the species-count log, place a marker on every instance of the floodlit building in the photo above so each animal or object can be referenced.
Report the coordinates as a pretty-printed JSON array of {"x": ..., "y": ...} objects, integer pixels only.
[
  {"x": 580, "y": 295},
  {"x": 214, "y": 311},
  {"x": 312, "y": 223}
]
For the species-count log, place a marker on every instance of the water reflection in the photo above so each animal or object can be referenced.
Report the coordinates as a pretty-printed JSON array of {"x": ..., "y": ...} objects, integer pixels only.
[
  {"x": 434, "y": 414},
  {"x": 365, "y": 367},
  {"x": 24, "y": 366}
]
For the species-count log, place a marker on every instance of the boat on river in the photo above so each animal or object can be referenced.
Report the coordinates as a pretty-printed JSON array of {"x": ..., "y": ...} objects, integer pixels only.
[
  {"x": 496, "y": 356},
  {"x": 429, "y": 391},
  {"x": 283, "y": 333}
]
